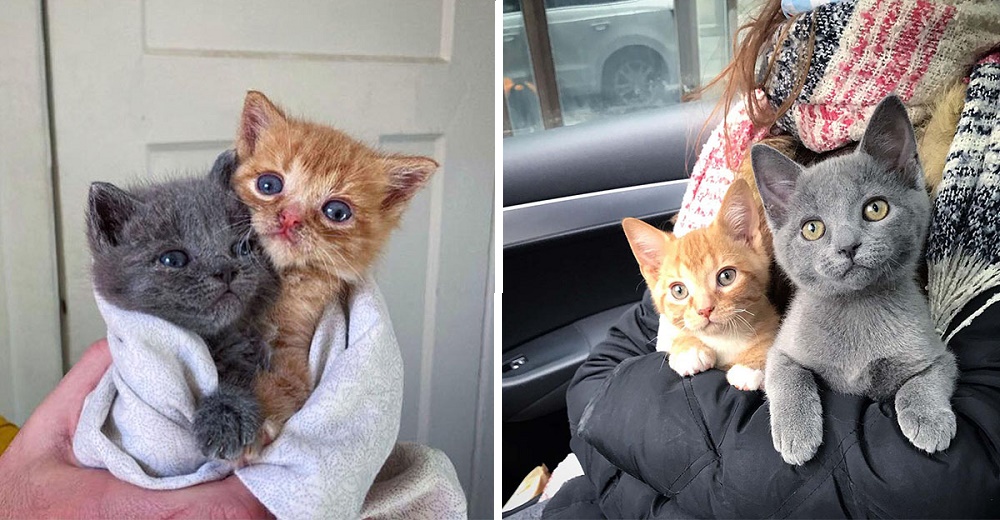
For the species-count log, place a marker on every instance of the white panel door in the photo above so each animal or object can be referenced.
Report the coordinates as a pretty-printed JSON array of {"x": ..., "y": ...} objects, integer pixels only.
[
  {"x": 30, "y": 346},
  {"x": 153, "y": 89}
]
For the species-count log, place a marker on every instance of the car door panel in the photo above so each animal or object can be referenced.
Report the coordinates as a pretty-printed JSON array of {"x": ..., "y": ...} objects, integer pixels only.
[
  {"x": 616, "y": 152},
  {"x": 569, "y": 273}
]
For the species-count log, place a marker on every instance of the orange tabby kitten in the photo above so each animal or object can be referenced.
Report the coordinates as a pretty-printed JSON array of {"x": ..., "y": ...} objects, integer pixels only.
[
  {"x": 711, "y": 286},
  {"x": 323, "y": 205}
]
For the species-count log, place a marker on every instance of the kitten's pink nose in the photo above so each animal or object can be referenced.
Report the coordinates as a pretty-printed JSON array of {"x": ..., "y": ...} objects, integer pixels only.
[
  {"x": 706, "y": 312},
  {"x": 289, "y": 219}
]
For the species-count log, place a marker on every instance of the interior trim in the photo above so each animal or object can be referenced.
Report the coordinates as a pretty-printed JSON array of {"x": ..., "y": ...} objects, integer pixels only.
[
  {"x": 544, "y": 219},
  {"x": 633, "y": 149}
]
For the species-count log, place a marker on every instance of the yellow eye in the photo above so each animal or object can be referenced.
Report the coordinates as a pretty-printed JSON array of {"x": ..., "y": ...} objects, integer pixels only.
[
  {"x": 876, "y": 209},
  {"x": 678, "y": 290},
  {"x": 813, "y": 229}
]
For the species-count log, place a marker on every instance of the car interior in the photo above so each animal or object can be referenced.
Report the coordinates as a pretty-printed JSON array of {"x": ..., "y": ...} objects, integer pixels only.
[
  {"x": 579, "y": 155},
  {"x": 568, "y": 269}
]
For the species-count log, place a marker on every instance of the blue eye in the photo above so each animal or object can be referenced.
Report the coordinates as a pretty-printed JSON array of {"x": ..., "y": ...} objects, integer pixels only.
[
  {"x": 337, "y": 210},
  {"x": 241, "y": 248},
  {"x": 175, "y": 258},
  {"x": 269, "y": 184}
]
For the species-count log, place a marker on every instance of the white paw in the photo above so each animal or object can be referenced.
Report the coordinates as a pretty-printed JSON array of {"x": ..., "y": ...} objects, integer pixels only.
[
  {"x": 745, "y": 378},
  {"x": 691, "y": 361}
]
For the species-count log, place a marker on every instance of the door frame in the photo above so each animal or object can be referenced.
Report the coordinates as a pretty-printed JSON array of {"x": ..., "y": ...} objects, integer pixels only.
[{"x": 31, "y": 350}]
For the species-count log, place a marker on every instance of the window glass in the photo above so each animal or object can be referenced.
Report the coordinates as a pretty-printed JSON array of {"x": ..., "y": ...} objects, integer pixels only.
[
  {"x": 613, "y": 57},
  {"x": 520, "y": 92}
]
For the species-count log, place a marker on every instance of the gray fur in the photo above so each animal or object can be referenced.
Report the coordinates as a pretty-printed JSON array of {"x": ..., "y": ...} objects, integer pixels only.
[
  {"x": 129, "y": 230},
  {"x": 858, "y": 319}
]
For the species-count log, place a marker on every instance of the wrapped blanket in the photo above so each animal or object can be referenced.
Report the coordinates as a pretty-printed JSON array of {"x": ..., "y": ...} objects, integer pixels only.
[{"x": 137, "y": 422}]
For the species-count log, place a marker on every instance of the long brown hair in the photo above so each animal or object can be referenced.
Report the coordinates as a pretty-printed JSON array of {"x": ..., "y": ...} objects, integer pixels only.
[{"x": 739, "y": 78}]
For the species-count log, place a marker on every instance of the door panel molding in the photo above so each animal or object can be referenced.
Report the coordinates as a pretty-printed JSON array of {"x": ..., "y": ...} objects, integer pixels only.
[
  {"x": 31, "y": 359},
  {"x": 550, "y": 218}
]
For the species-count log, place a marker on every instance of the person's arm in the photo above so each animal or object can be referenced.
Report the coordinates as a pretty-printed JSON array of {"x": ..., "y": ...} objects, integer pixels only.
[
  {"x": 42, "y": 479},
  {"x": 633, "y": 336},
  {"x": 706, "y": 448}
]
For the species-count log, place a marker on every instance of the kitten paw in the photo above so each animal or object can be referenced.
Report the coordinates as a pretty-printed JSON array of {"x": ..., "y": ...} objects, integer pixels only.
[
  {"x": 797, "y": 436},
  {"x": 745, "y": 378},
  {"x": 270, "y": 431},
  {"x": 691, "y": 361},
  {"x": 930, "y": 430},
  {"x": 226, "y": 423}
]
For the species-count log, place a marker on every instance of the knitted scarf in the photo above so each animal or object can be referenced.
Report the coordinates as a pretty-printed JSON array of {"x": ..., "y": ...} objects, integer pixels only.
[
  {"x": 963, "y": 248},
  {"x": 861, "y": 51}
]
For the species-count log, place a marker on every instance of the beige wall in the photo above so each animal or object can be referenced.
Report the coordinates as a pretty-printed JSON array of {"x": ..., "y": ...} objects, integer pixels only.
[{"x": 30, "y": 356}]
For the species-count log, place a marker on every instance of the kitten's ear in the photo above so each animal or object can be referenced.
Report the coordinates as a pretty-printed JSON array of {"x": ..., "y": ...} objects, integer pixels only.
[
  {"x": 222, "y": 170},
  {"x": 648, "y": 245},
  {"x": 258, "y": 115},
  {"x": 776, "y": 176},
  {"x": 889, "y": 139},
  {"x": 109, "y": 209},
  {"x": 738, "y": 214},
  {"x": 407, "y": 174}
]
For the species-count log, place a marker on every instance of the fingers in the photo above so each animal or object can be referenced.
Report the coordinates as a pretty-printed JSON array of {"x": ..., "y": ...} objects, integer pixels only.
[
  {"x": 52, "y": 424},
  {"x": 66, "y": 401},
  {"x": 227, "y": 498}
]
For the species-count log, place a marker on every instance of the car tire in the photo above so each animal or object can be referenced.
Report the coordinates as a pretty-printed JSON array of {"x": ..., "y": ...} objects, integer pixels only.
[{"x": 634, "y": 77}]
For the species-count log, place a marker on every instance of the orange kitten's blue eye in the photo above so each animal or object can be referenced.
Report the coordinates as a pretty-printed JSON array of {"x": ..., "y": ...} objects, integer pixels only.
[
  {"x": 337, "y": 210},
  {"x": 175, "y": 258},
  {"x": 269, "y": 184}
]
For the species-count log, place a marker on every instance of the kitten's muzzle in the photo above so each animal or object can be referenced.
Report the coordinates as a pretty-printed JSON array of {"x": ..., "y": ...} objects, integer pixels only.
[
  {"x": 849, "y": 250},
  {"x": 225, "y": 274}
]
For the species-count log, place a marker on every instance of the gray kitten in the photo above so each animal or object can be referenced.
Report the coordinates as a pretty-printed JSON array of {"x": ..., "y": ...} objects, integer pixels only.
[
  {"x": 849, "y": 232},
  {"x": 184, "y": 251}
]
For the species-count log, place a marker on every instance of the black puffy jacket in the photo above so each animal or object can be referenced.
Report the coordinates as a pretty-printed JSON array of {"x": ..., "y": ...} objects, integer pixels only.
[{"x": 657, "y": 445}]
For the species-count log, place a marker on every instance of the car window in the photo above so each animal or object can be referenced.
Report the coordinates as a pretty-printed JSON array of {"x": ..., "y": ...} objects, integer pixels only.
[{"x": 571, "y": 61}]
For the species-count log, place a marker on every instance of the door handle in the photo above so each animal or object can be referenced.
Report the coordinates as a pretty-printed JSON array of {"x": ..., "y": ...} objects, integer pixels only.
[
  {"x": 509, "y": 37},
  {"x": 600, "y": 26}
]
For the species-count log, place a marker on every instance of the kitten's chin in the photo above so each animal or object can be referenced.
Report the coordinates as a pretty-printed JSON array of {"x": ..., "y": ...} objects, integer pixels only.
[
  {"x": 284, "y": 252},
  {"x": 226, "y": 309},
  {"x": 854, "y": 278}
]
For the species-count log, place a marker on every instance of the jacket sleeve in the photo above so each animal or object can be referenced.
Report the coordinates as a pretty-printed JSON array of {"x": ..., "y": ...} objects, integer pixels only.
[
  {"x": 699, "y": 446},
  {"x": 620, "y": 495}
]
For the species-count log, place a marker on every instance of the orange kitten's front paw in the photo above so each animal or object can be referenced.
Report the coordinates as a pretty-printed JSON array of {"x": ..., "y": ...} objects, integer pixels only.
[
  {"x": 691, "y": 361},
  {"x": 270, "y": 431},
  {"x": 745, "y": 378}
]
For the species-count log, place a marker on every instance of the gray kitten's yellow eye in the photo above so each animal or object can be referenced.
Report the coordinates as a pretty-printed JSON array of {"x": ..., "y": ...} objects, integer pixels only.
[
  {"x": 726, "y": 276},
  {"x": 813, "y": 229},
  {"x": 678, "y": 290},
  {"x": 876, "y": 209}
]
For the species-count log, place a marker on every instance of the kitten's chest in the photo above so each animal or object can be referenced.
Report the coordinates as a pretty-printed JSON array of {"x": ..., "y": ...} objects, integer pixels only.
[
  {"x": 726, "y": 348},
  {"x": 856, "y": 348},
  {"x": 301, "y": 304}
]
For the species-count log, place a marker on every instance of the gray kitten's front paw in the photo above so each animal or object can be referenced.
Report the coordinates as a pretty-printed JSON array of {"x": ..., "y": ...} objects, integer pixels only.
[
  {"x": 225, "y": 423},
  {"x": 928, "y": 429},
  {"x": 797, "y": 434}
]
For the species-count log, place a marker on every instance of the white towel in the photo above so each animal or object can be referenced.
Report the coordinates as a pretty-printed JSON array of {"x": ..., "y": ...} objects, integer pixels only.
[{"x": 137, "y": 422}]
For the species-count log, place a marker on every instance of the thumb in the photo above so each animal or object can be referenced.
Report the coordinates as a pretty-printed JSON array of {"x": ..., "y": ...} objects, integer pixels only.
[{"x": 55, "y": 419}]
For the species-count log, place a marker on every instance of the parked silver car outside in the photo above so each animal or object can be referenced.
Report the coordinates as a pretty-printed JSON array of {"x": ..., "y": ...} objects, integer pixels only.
[{"x": 609, "y": 55}]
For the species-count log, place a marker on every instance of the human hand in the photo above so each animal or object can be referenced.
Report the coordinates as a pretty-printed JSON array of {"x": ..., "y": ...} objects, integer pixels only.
[{"x": 42, "y": 478}]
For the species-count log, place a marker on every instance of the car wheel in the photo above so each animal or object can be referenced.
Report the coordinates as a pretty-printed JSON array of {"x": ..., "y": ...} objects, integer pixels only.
[{"x": 634, "y": 77}]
